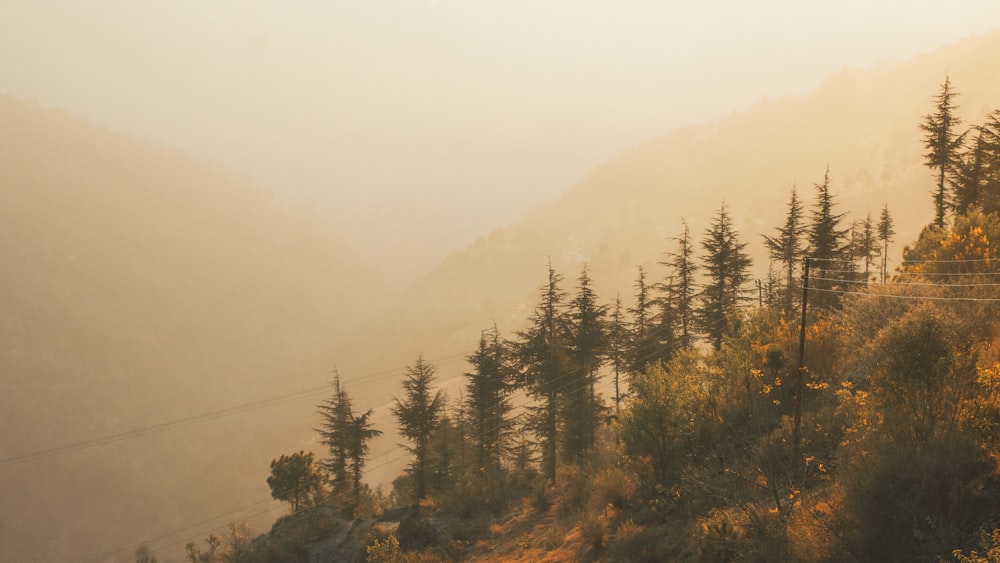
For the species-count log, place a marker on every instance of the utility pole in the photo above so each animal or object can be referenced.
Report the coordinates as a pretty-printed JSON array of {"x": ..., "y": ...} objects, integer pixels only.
[{"x": 800, "y": 380}]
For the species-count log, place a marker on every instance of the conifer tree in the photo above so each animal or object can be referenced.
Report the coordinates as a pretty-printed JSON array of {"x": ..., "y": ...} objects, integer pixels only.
[
  {"x": 943, "y": 143},
  {"x": 885, "y": 234},
  {"x": 970, "y": 178},
  {"x": 444, "y": 459},
  {"x": 360, "y": 432},
  {"x": 334, "y": 434},
  {"x": 727, "y": 266},
  {"x": 581, "y": 412},
  {"x": 829, "y": 246},
  {"x": 641, "y": 322},
  {"x": 864, "y": 243},
  {"x": 787, "y": 248},
  {"x": 488, "y": 387},
  {"x": 990, "y": 132},
  {"x": 419, "y": 415},
  {"x": 682, "y": 291},
  {"x": 346, "y": 436},
  {"x": 544, "y": 357},
  {"x": 618, "y": 343}
]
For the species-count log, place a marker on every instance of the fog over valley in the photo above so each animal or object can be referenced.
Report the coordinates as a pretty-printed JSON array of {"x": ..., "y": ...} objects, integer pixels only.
[{"x": 209, "y": 211}]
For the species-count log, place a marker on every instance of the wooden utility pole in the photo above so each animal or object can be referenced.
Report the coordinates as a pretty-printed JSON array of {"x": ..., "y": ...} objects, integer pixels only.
[{"x": 800, "y": 380}]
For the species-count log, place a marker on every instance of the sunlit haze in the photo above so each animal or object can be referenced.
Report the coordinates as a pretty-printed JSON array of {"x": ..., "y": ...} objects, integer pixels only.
[
  {"x": 443, "y": 119},
  {"x": 210, "y": 208}
]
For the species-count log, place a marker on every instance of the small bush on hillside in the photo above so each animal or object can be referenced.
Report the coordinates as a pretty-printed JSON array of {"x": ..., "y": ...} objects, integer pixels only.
[
  {"x": 594, "y": 530},
  {"x": 573, "y": 486}
]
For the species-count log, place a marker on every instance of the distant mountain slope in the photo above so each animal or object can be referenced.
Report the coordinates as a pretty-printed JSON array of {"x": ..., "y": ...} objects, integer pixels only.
[
  {"x": 863, "y": 124},
  {"x": 138, "y": 286}
]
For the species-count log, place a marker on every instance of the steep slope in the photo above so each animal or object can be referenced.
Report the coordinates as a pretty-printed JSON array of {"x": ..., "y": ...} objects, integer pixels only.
[
  {"x": 863, "y": 124},
  {"x": 140, "y": 286}
]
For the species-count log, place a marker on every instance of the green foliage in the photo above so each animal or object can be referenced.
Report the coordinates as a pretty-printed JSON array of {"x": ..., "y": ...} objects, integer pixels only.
[
  {"x": 581, "y": 410},
  {"x": 991, "y": 550},
  {"x": 788, "y": 249},
  {"x": 544, "y": 355},
  {"x": 727, "y": 267},
  {"x": 974, "y": 237},
  {"x": 618, "y": 345},
  {"x": 488, "y": 388},
  {"x": 333, "y": 430},
  {"x": 943, "y": 143},
  {"x": 681, "y": 288},
  {"x": 864, "y": 244},
  {"x": 664, "y": 413},
  {"x": 346, "y": 436},
  {"x": 385, "y": 551},
  {"x": 195, "y": 555},
  {"x": 144, "y": 555},
  {"x": 921, "y": 374},
  {"x": 295, "y": 479},
  {"x": 886, "y": 231},
  {"x": 829, "y": 247},
  {"x": 419, "y": 415}
]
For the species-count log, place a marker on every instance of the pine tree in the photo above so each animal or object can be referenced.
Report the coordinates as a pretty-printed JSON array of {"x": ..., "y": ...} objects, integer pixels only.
[
  {"x": 488, "y": 387},
  {"x": 419, "y": 415},
  {"x": 865, "y": 245},
  {"x": 641, "y": 322},
  {"x": 346, "y": 436},
  {"x": 727, "y": 266},
  {"x": 618, "y": 339},
  {"x": 829, "y": 247},
  {"x": 943, "y": 144},
  {"x": 544, "y": 357},
  {"x": 990, "y": 132},
  {"x": 334, "y": 434},
  {"x": 681, "y": 290},
  {"x": 581, "y": 412},
  {"x": 360, "y": 432},
  {"x": 787, "y": 248},
  {"x": 885, "y": 234},
  {"x": 970, "y": 177}
]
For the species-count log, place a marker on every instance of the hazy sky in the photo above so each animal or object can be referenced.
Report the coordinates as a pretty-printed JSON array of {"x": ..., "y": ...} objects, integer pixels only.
[{"x": 467, "y": 112}]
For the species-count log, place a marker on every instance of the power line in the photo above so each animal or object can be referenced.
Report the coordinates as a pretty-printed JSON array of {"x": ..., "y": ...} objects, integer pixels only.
[
  {"x": 896, "y": 296},
  {"x": 922, "y": 284},
  {"x": 523, "y": 405},
  {"x": 948, "y": 274},
  {"x": 964, "y": 260},
  {"x": 194, "y": 419}
]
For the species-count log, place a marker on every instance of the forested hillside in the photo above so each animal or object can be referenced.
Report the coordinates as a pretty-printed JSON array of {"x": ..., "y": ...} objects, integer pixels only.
[
  {"x": 860, "y": 124},
  {"x": 841, "y": 408},
  {"x": 843, "y": 411},
  {"x": 141, "y": 286}
]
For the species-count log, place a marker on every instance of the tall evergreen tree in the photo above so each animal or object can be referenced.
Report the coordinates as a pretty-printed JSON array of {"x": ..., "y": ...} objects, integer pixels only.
[
  {"x": 488, "y": 388},
  {"x": 885, "y": 234},
  {"x": 682, "y": 291},
  {"x": 334, "y": 431},
  {"x": 360, "y": 432},
  {"x": 829, "y": 246},
  {"x": 419, "y": 415},
  {"x": 642, "y": 317},
  {"x": 544, "y": 356},
  {"x": 970, "y": 177},
  {"x": 727, "y": 267},
  {"x": 865, "y": 244},
  {"x": 618, "y": 345},
  {"x": 943, "y": 143},
  {"x": 788, "y": 248},
  {"x": 581, "y": 411},
  {"x": 990, "y": 133}
]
